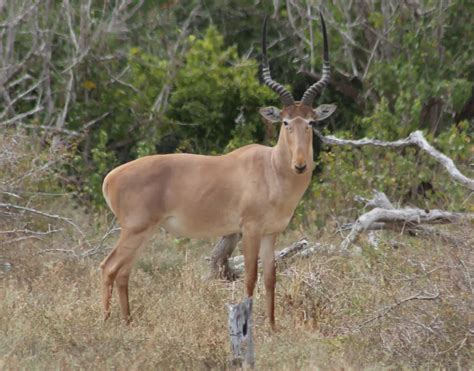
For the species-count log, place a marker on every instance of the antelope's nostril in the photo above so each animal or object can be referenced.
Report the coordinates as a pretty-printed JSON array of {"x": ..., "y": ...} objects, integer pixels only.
[{"x": 301, "y": 168}]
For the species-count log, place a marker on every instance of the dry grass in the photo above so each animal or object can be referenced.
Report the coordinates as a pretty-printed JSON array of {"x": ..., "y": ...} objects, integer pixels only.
[
  {"x": 405, "y": 307},
  {"x": 51, "y": 315}
]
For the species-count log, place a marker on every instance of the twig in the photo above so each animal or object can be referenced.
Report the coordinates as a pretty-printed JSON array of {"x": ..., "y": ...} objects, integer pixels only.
[
  {"x": 370, "y": 59},
  {"x": 29, "y": 234},
  {"x": 28, "y": 231},
  {"x": 21, "y": 116},
  {"x": 382, "y": 312},
  {"x": 66, "y": 251},
  {"x": 97, "y": 248},
  {"x": 71, "y": 133},
  {"x": 20, "y": 96},
  {"x": 94, "y": 121}
]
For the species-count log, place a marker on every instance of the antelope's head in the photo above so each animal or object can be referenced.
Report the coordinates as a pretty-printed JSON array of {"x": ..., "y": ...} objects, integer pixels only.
[{"x": 297, "y": 117}]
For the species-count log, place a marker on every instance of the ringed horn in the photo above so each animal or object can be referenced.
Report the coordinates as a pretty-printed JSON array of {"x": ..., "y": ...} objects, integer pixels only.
[{"x": 314, "y": 90}]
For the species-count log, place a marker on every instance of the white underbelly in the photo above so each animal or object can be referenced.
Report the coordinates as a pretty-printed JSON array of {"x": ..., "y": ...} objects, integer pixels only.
[{"x": 180, "y": 227}]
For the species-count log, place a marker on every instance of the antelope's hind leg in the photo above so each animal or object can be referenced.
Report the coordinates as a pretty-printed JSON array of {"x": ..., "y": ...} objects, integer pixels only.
[
  {"x": 251, "y": 245},
  {"x": 116, "y": 267},
  {"x": 267, "y": 255}
]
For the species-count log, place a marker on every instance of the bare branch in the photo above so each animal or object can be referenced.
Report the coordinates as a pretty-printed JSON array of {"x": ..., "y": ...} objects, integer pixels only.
[
  {"x": 161, "y": 102},
  {"x": 94, "y": 121},
  {"x": 62, "y": 117},
  {"x": 66, "y": 251},
  {"x": 289, "y": 5},
  {"x": 385, "y": 310},
  {"x": 21, "y": 116},
  {"x": 222, "y": 266},
  {"x": 41, "y": 213},
  {"x": 414, "y": 139},
  {"x": 20, "y": 96},
  {"x": 29, "y": 231},
  {"x": 67, "y": 8},
  {"x": 94, "y": 250},
  {"x": 27, "y": 234},
  {"x": 372, "y": 54},
  {"x": 18, "y": 18},
  {"x": 53, "y": 129}
]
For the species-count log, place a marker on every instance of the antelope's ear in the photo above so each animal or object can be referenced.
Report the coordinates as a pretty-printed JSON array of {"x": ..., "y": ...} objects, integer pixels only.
[
  {"x": 324, "y": 111},
  {"x": 271, "y": 114}
]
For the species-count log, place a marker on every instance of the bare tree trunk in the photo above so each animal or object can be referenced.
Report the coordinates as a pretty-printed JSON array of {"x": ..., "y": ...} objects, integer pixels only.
[{"x": 224, "y": 248}]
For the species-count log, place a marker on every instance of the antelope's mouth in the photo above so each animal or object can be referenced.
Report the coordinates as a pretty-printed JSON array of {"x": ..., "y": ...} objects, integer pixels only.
[{"x": 300, "y": 169}]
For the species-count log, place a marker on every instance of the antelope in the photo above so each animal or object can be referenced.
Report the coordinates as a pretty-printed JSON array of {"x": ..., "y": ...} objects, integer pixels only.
[{"x": 253, "y": 190}]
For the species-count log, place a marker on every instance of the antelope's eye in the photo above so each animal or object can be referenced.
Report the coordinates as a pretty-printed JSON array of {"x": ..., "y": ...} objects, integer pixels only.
[
  {"x": 312, "y": 123},
  {"x": 286, "y": 123}
]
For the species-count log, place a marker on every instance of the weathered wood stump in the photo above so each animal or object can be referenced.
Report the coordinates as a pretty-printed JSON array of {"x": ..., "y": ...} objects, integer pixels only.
[{"x": 241, "y": 334}]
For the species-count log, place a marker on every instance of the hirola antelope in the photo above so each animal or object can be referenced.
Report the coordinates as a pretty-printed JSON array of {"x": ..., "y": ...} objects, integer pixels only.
[{"x": 253, "y": 190}]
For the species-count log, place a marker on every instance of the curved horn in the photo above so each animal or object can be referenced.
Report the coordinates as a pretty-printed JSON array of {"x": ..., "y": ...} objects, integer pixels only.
[
  {"x": 286, "y": 97},
  {"x": 316, "y": 89}
]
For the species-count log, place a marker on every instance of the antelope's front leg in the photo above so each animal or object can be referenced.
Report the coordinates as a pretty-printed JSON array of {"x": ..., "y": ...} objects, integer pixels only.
[
  {"x": 267, "y": 255},
  {"x": 251, "y": 245}
]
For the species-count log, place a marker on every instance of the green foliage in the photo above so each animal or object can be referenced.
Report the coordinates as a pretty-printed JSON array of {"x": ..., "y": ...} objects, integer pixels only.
[{"x": 212, "y": 89}]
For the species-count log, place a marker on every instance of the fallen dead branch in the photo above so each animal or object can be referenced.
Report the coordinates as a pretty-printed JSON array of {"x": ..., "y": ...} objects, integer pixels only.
[
  {"x": 237, "y": 262},
  {"x": 21, "y": 116},
  {"x": 385, "y": 216}
]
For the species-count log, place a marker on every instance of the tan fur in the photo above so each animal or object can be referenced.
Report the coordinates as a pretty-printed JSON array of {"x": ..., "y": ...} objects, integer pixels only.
[{"x": 254, "y": 190}]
